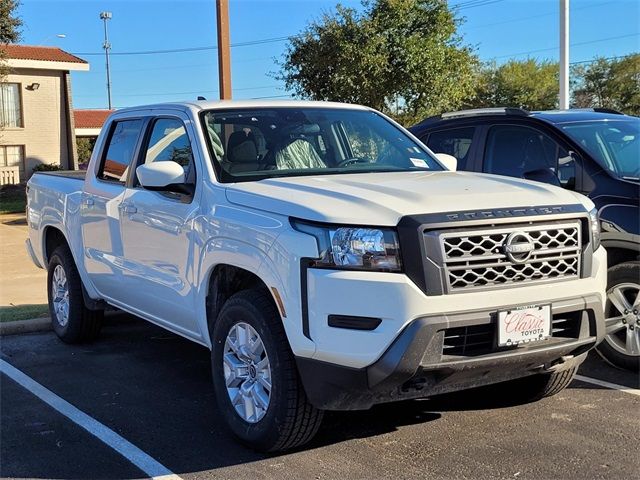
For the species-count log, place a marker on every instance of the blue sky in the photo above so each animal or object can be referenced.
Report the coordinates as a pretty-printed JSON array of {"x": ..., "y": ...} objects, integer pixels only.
[{"x": 499, "y": 29}]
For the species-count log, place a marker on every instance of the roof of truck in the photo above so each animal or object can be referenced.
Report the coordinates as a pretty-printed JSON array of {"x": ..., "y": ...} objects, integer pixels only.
[{"x": 226, "y": 104}]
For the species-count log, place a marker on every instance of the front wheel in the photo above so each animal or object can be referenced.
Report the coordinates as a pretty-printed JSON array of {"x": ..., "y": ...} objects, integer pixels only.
[
  {"x": 621, "y": 345},
  {"x": 255, "y": 377},
  {"x": 533, "y": 387}
]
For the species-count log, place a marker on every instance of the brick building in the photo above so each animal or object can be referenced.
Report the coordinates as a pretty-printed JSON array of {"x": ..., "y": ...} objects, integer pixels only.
[{"x": 36, "y": 113}]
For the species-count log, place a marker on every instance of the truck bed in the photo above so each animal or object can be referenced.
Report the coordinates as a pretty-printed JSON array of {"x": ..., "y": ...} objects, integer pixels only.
[{"x": 74, "y": 174}]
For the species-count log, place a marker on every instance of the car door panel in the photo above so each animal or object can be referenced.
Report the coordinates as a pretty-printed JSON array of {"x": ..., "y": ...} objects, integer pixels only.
[
  {"x": 100, "y": 211},
  {"x": 158, "y": 241}
]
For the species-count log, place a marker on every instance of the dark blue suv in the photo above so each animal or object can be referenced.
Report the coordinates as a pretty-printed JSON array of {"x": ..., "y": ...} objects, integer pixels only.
[{"x": 595, "y": 152}]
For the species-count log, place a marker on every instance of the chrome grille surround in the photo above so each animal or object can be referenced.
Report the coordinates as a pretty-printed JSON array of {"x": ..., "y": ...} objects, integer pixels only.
[{"x": 475, "y": 258}]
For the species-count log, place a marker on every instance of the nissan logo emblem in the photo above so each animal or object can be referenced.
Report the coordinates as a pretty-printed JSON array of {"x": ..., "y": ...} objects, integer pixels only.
[{"x": 518, "y": 247}]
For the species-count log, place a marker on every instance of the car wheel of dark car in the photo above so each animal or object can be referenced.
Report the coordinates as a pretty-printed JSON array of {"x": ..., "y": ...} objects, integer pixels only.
[{"x": 621, "y": 345}]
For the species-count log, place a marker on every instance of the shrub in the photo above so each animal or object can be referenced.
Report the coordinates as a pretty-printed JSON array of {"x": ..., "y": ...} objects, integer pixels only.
[{"x": 47, "y": 167}]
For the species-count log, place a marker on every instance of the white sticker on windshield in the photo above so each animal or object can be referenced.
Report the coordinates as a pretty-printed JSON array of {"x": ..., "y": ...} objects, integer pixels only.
[{"x": 418, "y": 162}]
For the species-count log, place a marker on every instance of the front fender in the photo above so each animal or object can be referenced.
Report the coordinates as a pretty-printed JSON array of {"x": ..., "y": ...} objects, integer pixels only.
[{"x": 271, "y": 250}]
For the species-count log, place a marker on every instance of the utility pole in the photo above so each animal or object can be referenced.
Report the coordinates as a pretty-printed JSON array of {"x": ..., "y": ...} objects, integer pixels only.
[
  {"x": 105, "y": 17},
  {"x": 224, "y": 51},
  {"x": 564, "y": 55}
]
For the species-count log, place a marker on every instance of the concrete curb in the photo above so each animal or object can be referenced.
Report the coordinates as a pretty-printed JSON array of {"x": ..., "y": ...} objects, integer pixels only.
[{"x": 25, "y": 326}]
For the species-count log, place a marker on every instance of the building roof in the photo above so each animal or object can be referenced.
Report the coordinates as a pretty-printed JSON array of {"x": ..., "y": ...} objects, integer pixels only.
[
  {"x": 90, "y": 118},
  {"x": 49, "y": 54},
  {"x": 45, "y": 58}
]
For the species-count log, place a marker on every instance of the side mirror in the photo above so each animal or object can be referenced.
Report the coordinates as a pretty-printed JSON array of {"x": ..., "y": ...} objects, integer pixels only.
[
  {"x": 448, "y": 161},
  {"x": 544, "y": 175},
  {"x": 162, "y": 176}
]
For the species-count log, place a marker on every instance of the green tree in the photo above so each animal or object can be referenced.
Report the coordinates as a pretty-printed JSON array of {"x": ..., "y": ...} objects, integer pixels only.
[
  {"x": 528, "y": 84},
  {"x": 611, "y": 83},
  {"x": 403, "y": 57},
  {"x": 10, "y": 25},
  {"x": 84, "y": 146}
]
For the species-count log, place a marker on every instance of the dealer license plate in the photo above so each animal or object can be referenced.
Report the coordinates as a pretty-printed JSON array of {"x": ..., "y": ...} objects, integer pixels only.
[{"x": 524, "y": 324}]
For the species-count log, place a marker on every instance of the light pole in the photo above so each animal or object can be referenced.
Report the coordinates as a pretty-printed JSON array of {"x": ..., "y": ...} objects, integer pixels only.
[
  {"x": 106, "y": 16},
  {"x": 564, "y": 55}
]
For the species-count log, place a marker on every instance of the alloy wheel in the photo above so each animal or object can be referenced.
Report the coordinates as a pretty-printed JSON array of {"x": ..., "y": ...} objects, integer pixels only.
[
  {"x": 623, "y": 318},
  {"x": 247, "y": 372},
  {"x": 60, "y": 295}
]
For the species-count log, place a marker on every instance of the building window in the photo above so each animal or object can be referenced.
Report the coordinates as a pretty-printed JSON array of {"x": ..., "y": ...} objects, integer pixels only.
[
  {"x": 13, "y": 156},
  {"x": 11, "y": 104}
]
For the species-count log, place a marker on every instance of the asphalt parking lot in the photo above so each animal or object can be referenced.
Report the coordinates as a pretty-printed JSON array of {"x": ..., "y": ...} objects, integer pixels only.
[{"x": 153, "y": 389}]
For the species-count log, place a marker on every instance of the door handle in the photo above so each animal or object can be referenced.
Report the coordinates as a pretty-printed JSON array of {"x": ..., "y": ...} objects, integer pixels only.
[{"x": 129, "y": 209}]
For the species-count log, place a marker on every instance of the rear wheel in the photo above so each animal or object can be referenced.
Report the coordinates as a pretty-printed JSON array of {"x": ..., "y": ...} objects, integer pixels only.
[
  {"x": 621, "y": 345},
  {"x": 71, "y": 320},
  {"x": 255, "y": 377}
]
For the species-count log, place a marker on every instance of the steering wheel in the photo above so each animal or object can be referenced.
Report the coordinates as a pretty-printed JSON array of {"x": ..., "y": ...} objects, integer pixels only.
[{"x": 352, "y": 161}]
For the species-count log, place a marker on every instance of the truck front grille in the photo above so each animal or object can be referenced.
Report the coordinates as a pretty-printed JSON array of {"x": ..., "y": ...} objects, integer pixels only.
[
  {"x": 480, "y": 258},
  {"x": 469, "y": 341}
]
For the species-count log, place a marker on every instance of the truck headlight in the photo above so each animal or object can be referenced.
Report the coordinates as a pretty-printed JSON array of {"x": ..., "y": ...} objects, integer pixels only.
[
  {"x": 354, "y": 248},
  {"x": 594, "y": 219}
]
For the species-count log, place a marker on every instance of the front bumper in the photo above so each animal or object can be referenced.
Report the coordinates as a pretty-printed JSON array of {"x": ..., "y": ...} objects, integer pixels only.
[
  {"x": 414, "y": 365},
  {"x": 397, "y": 301}
]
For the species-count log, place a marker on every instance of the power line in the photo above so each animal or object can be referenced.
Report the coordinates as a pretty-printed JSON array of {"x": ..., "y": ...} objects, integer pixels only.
[
  {"x": 461, "y": 6},
  {"x": 473, "y": 4},
  {"x": 289, "y": 95},
  {"x": 596, "y": 59},
  {"x": 158, "y": 94},
  {"x": 191, "y": 49},
  {"x": 519, "y": 19},
  {"x": 572, "y": 45}
]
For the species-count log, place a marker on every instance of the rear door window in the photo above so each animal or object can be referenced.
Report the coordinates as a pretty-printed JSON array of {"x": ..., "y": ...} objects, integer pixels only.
[
  {"x": 120, "y": 150},
  {"x": 455, "y": 142},
  {"x": 514, "y": 150}
]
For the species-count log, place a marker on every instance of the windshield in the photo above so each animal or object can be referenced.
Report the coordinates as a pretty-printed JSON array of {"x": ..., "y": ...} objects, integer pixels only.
[
  {"x": 614, "y": 144},
  {"x": 259, "y": 143}
]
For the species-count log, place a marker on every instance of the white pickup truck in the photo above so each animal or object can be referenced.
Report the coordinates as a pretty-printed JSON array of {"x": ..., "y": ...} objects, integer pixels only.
[{"x": 327, "y": 258}]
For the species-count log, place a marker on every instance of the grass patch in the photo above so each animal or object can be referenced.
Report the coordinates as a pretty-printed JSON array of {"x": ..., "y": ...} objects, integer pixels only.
[
  {"x": 13, "y": 199},
  {"x": 23, "y": 312}
]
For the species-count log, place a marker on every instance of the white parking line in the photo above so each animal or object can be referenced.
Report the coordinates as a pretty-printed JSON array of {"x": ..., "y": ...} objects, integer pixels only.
[
  {"x": 614, "y": 386},
  {"x": 144, "y": 462}
]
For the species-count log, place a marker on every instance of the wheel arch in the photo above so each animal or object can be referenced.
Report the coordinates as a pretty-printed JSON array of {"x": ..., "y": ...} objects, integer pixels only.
[
  {"x": 52, "y": 238},
  {"x": 225, "y": 280},
  {"x": 618, "y": 252}
]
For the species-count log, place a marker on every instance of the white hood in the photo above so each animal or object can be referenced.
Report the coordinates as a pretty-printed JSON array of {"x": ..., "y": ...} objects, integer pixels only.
[{"x": 383, "y": 198}]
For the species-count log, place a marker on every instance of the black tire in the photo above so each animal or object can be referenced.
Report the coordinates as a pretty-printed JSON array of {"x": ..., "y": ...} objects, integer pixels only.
[
  {"x": 289, "y": 420},
  {"x": 534, "y": 387},
  {"x": 625, "y": 273},
  {"x": 82, "y": 324}
]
